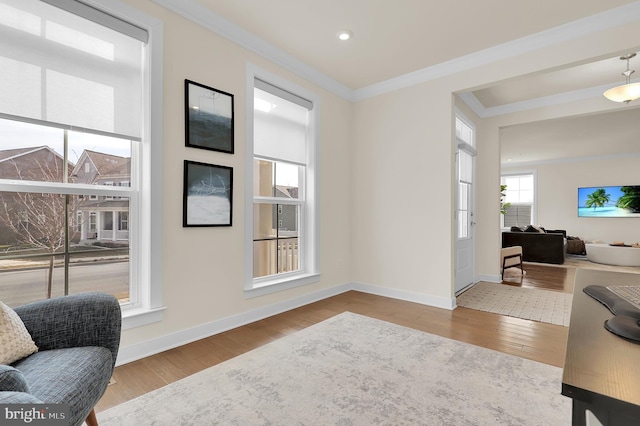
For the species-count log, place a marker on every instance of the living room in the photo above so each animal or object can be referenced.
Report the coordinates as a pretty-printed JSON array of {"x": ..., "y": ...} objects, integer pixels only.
[
  {"x": 386, "y": 162},
  {"x": 600, "y": 153}
]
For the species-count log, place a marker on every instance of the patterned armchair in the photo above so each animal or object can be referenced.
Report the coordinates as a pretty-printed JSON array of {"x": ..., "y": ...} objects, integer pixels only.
[{"x": 78, "y": 337}]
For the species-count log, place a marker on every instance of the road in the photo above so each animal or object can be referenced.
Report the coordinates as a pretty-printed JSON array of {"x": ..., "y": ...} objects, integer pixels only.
[{"x": 21, "y": 286}]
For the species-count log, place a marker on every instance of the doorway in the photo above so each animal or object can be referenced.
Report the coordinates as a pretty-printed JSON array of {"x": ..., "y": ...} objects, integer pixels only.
[{"x": 465, "y": 204}]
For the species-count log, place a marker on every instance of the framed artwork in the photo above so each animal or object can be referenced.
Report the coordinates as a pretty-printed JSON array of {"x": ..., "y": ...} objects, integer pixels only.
[
  {"x": 208, "y": 195},
  {"x": 208, "y": 118}
]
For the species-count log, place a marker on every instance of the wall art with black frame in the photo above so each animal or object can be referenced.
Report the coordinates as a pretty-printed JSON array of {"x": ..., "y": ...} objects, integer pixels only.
[
  {"x": 208, "y": 194},
  {"x": 208, "y": 118}
]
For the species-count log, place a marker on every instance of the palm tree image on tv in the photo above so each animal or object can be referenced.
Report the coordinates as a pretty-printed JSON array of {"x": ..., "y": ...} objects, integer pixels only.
[
  {"x": 631, "y": 198},
  {"x": 609, "y": 201},
  {"x": 598, "y": 198}
]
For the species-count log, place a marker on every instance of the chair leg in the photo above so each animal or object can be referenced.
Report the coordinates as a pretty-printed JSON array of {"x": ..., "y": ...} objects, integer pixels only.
[
  {"x": 92, "y": 420},
  {"x": 521, "y": 268}
]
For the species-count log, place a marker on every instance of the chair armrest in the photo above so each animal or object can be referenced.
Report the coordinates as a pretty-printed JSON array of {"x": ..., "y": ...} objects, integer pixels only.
[
  {"x": 12, "y": 380},
  {"x": 18, "y": 398},
  {"x": 85, "y": 319}
]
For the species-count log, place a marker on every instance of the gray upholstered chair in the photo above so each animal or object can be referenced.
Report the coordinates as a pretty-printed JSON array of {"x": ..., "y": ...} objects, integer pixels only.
[{"x": 78, "y": 337}]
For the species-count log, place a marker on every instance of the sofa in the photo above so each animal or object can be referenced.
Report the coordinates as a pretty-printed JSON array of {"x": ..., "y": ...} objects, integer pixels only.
[
  {"x": 77, "y": 339},
  {"x": 542, "y": 247}
]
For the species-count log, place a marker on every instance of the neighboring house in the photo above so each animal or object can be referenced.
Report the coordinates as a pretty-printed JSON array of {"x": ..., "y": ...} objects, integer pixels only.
[
  {"x": 103, "y": 218},
  {"x": 38, "y": 164},
  {"x": 287, "y": 215}
]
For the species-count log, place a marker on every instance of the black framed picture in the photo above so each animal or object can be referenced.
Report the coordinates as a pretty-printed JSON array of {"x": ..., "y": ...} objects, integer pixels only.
[
  {"x": 208, "y": 118},
  {"x": 208, "y": 194}
]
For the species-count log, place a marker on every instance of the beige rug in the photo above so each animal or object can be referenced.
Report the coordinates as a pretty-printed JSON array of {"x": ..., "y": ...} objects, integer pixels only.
[
  {"x": 354, "y": 370},
  {"x": 532, "y": 304}
]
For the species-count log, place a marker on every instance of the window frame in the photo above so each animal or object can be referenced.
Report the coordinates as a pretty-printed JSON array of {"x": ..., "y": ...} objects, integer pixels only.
[
  {"x": 533, "y": 204},
  {"x": 147, "y": 272},
  {"x": 308, "y": 233}
]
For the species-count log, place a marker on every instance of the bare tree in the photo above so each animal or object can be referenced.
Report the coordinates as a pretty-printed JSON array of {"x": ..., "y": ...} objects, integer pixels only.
[{"x": 39, "y": 220}]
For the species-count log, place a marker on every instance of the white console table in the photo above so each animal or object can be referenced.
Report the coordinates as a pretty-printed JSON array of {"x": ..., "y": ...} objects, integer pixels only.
[{"x": 613, "y": 255}]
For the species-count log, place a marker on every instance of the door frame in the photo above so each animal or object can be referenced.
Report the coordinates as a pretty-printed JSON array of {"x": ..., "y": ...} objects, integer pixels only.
[{"x": 462, "y": 145}]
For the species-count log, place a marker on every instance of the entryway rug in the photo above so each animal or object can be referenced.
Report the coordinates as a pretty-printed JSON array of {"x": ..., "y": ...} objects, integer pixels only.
[
  {"x": 355, "y": 370},
  {"x": 552, "y": 307}
]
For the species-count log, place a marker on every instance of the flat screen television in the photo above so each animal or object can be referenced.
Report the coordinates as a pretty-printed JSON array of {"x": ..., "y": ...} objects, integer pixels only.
[{"x": 609, "y": 201}]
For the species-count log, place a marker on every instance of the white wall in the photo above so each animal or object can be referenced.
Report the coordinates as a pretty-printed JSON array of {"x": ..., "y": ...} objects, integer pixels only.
[
  {"x": 386, "y": 180},
  {"x": 557, "y": 197},
  {"x": 203, "y": 268}
]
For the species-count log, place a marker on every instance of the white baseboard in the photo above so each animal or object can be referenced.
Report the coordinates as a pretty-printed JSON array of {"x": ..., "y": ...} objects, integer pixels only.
[
  {"x": 409, "y": 296},
  {"x": 151, "y": 347},
  {"x": 489, "y": 278}
]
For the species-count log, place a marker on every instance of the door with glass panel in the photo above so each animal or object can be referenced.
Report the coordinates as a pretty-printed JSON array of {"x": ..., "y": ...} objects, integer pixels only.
[{"x": 465, "y": 229}]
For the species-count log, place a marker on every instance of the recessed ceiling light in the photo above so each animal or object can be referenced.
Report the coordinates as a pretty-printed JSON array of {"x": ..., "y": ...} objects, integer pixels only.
[{"x": 345, "y": 35}]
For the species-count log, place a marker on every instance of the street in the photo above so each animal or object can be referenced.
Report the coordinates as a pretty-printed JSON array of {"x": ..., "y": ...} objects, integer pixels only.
[{"x": 18, "y": 287}]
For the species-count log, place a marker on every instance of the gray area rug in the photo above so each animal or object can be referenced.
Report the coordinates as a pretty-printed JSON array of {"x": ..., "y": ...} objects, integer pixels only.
[
  {"x": 552, "y": 307},
  {"x": 355, "y": 370}
]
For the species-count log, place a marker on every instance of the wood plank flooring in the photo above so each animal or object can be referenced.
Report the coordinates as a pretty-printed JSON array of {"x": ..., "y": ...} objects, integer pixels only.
[{"x": 528, "y": 339}]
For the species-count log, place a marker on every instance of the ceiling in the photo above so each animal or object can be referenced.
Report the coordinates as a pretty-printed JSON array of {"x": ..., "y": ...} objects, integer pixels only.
[{"x": 392, "y": 39}]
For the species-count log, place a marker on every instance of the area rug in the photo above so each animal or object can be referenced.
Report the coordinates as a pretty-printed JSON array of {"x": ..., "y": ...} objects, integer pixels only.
[
  {"x": 355, "y": 370},
  {"x": 552, "y": 307}
]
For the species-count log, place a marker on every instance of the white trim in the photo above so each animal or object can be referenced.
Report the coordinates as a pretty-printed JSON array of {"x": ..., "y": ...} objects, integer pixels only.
[
  {"x": 489, "y": 278},
  {"x": 560, "y": 98},
  {"x": 141, "y": 350},
  {"x": 149, "y": 273},
  {"x": 581, "y": 27},
  {"x": 203, "y": 16},
  {"x": 309, "y": 252},
  {"x": 409, "y": 296},
  {"x": 150, "y": 347},
  {"x": 192, "y": 10},
  {"x": 524, "y": 164}
]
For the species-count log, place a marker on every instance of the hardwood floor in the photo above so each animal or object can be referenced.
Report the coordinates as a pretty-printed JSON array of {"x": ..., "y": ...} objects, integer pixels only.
[{"x": 529, "y": 339}]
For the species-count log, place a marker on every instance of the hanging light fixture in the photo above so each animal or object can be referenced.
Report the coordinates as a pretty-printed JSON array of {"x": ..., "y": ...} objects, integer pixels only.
[{"x": 627, "y": 92}]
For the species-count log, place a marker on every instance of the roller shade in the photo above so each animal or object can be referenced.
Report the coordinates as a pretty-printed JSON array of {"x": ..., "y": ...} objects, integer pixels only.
[
  {"x": 62, "y": 69},
  {"x": 280, "y": 124}
]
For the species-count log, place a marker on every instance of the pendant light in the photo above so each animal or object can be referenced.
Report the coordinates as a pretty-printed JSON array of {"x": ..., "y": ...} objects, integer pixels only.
[{"x": 626, "y": 92}]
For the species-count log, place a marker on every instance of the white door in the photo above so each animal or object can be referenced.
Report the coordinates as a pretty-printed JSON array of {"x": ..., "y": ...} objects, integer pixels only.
[{"x": 465, "y": 190}]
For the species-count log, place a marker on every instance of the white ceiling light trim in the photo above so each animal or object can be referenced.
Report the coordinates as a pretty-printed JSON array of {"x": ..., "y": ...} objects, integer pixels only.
[
  {"x": 345, "y": 35},
  {"x": 194, "y": 11}
]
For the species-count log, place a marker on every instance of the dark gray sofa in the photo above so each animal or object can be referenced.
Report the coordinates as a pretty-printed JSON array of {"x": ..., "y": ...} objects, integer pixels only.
[
  {"x": 540, "y": 247},
  {"x": 78, "y": 337}
]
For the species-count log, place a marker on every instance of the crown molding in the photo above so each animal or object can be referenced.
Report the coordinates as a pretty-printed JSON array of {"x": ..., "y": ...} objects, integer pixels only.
[
  {"x": 529, "y": 164},
  {"x": 195, "y": 12},
  {"x": 592, "y": 24},
  {"x": 487, "y": 112}
]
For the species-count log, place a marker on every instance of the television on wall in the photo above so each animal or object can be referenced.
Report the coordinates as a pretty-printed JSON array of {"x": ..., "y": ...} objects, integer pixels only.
[{"x": 609, "y": 201}]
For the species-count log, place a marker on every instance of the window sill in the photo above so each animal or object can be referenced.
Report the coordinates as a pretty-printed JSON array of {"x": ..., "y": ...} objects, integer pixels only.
[
  {"x": 132, "y": 318},
  {"x": 280, "y": 284}
]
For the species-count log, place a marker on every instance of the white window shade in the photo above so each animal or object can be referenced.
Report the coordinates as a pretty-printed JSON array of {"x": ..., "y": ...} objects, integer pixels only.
[
  {"x": 61, "y": 69},
  {"x": 280, "y": 128}
]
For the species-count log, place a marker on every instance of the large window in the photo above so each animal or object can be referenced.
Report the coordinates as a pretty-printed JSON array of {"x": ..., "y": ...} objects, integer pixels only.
[
  {"x": 75, "y": 185},
  {"x": 520, "y": 195},
  {"x": 282, "y": 226}
]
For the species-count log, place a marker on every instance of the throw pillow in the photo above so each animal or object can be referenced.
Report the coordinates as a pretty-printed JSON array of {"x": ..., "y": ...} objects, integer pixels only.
[
  {"x": 15, "y": 340},
  {"x": 531, "y": 228},
  {"x": 576, "y": 246},
  {"x": 516, "y": 229}
]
